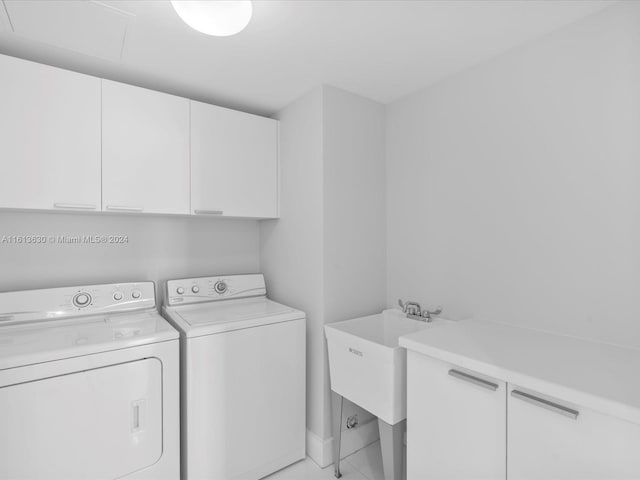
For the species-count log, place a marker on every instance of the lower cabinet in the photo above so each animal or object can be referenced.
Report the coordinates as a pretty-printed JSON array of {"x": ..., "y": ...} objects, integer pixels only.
[
  {"x": 464, "y": 425},
  {"x": 553, "y": 440},
  {"x": 456, "y": 422}
]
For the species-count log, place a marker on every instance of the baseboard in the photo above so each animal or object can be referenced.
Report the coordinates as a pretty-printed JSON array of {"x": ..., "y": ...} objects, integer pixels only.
[
  {"x": 319, "y": 450},
  {"x": 354, "y": 439}
]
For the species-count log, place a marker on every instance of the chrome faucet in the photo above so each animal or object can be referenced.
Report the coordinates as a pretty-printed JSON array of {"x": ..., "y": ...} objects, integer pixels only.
[
  {"x": 412, "y": 309},
  {"x": 415, "y": 312}
]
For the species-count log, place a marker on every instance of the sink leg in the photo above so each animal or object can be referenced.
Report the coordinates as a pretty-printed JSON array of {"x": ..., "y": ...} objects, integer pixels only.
[
  {"x": 336, "y": 425},
  {"x": 391, "y": 439}
]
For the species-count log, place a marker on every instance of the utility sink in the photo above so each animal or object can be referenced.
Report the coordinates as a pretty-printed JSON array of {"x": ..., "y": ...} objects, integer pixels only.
[{"x": 367, "y": 365}]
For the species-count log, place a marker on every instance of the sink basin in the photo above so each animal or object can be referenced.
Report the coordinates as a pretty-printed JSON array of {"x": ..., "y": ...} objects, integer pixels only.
[{"x": 367, "y": 365}]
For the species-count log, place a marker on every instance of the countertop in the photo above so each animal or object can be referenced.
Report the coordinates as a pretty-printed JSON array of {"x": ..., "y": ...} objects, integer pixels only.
[{"x": 599, "y": 376}]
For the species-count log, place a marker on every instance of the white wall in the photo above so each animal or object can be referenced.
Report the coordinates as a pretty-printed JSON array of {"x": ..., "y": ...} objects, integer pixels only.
[
  {"x": 354, "y": 213},
  {"x": 354, "y": 205},
  {"x": 291, "y": 247},
  {"x": 325, "y": 255},
  {"x": 514, "y": 188},
  {"x": 159, "y": 248}
]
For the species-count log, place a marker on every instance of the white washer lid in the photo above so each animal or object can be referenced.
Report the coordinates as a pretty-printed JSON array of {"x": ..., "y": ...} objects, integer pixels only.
[
  {"x": 37, "y": 342},
  {"x": 223, "y": 316}
]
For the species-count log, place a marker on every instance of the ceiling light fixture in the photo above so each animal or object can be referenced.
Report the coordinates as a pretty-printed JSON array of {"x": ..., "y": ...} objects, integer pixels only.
[{"x": 220, "y": 18}]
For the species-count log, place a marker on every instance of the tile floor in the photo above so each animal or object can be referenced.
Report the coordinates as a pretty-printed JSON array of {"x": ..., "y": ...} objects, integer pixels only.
[{"x": 365, "y": 464}]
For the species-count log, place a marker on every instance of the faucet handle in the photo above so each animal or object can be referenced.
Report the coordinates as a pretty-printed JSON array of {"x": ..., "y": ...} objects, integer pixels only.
[
  {"x": 402, "y": 304},
  {"x": 432, "y": 313}
]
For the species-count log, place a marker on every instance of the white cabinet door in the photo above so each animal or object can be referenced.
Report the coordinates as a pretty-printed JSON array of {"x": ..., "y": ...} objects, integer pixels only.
[
  {"x": 145, "y": 150},
  {"x": 455, "y": 422},
  {"x": 49, "y": 137},
  {"x": 547, "y": 441},
  {"x": 234, "y": 163}
]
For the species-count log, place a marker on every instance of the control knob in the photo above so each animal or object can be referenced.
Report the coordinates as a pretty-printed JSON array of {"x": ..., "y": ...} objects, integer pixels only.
[
  {"x": 180, "y": 290},
  {"x": 136, "y": 294},
  {"x": 81, "y": 299},
  {"x": 195, "y": 289},
  {"x": 220, "y": 287}
]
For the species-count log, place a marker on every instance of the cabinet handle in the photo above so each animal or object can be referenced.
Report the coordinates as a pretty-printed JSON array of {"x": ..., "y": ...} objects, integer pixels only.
[
  {"x": 208, "y": 212},
  {"x": 124, "y": 208},
  {"x": 475, "y": 380},
  {"x": 75, "y": 206},
  {"x": 541, "y": 402}
]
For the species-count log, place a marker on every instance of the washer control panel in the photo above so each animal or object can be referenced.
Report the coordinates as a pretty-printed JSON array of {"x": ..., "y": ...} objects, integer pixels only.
[
  {"x": 203, "y": 289},
  {"x": 73, "y": 301}
]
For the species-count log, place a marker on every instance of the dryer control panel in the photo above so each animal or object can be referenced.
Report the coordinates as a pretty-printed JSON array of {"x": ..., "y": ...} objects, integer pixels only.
[
  {"x": 206, "y": 289},
  {"x": 50, "y": 303}
]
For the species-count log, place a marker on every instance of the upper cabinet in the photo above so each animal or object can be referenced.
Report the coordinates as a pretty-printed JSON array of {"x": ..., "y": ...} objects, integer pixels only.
[
  {"x": 145, "y": 150},
  {"x": 73, "y": 142},
  {"x": 49, "y": 137},
  {"x": 234, "y": 163}
]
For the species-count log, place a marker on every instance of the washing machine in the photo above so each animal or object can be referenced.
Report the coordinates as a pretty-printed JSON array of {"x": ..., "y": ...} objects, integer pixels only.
[
  {"x": 89, "y": 385},
  {"x": 243, "y": 377}
]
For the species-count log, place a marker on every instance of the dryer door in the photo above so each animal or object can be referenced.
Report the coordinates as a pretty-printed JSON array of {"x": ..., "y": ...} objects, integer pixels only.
[{"x": 96, "y": 424}]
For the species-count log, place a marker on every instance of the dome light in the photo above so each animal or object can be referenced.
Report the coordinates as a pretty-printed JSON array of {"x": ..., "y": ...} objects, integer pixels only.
[{"x": 220, "y": 18}]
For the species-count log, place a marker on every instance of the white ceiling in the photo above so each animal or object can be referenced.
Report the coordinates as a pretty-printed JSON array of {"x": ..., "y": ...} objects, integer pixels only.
[{"x": 379, "y": 49}]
